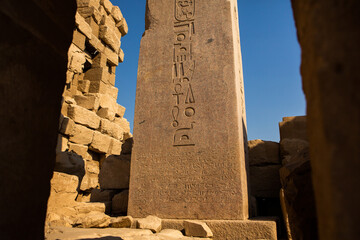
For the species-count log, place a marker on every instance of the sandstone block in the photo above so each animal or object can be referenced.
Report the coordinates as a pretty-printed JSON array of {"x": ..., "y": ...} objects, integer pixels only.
[
  {"x": 291, "y": 146},
  {"x": 152, "y": 223},
  {"x": 123, "y": 123},
  {"x": 100, "y": 143},
  {"x": 70, "y": 163},
  {"x": 100, "y": 61},
  {"x": 265, "y": 181},
  {"x": 98, "y": 74},
  {"x": 293, "y": 127},
  {"x": 62, "y": 144},
  {"x": 263, "y": 152},
  {"x": 76, "y": 60},
  {"x": 88, "y": 101},
  {"x": 112, "y": 56},
  {"x": 111, "y": 129},
  {"x": 112, "y": 79},
  {"x": 122, "y": 222},
  {"x": 171, "y": 233},
  {"x": 88, "y": 3},
  {"x": 116, "y": 14},
  {"x": 67, "y": 126},
  {"x": 83, "y": 26},
  {"x": 84, "y": 208},
  {"x": 121, "y": 55},
  {"x": 79, "y": 39},
  {"x": 120, "y": 203},
  {"x": 63, "y": 189},
  {"x": 115, "y": 172},
  {"x": 108, "y": 35},
  {"x": 98, "y": 87},
  {"x": 108, "y": 21},
  {"x": 107, "y": 5},
  {"x": 81, "y": 135},
  {"x": 64, "y": 108},
  {"x": 100, "y": 195},
  {"x": 84, "y": 86},
  {"x": 83, "y": 116},
  {"x": 94, "y": 26},
  {"x": 107, "y": 101},
  {"x": 91, "y": 179},
  {"x": 123, "y": 27},
  {"x": 86, "y": 12},
  {"x": 115, "y": 147},
  {"x": 113, "y": 92},
  {"x": 299, "y": 199},
  {"x": 106, "y": 113},
  {"x": 96, "y": 43},
  {"x": 93, "y": 220},
  {"x": 197, "y": 229}
]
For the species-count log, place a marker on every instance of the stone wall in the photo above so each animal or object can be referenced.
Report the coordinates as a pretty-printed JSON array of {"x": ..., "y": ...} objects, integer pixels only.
[{"x": 92, "y": 130}]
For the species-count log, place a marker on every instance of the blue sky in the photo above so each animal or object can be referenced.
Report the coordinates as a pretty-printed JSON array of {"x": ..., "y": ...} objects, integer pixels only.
[{"x": 271, "y": 63}]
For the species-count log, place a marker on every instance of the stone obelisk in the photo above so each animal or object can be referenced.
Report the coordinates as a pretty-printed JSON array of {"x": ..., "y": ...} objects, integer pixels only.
[{"x": 189, "y": 159}]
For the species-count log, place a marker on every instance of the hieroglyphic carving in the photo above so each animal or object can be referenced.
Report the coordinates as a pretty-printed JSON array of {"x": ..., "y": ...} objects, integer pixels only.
[{"x": 183, "y": 70}]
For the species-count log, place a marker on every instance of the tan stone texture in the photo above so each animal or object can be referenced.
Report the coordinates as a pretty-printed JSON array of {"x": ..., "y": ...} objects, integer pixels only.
[
  {"x": 83, "y": 116},
  {"x": 98, "y": 87},
  {"x": 67, "y": 126},
  {"x": 106, "y": 113},
  {"x": 113, "y": 92},
  {"x": 80, "y": 150},
  {"x": 116, "y": 14},
  {"x": 100, "y": 143},
  {"x": 150, "y": 222},
  {"x": 293, "y": 127},
  {"x": 108, "y": 35},
  {"x": 123, "y": 27},
  {"x": 197, "y": 229},
  {"x": 84, "y": 86},
  {"x": 79, "y": 40},
  {"x": 115, "y": 172},
  {"x": 179, "y": 166},
  {"x": 81, "y": 135},
  {"x": 88, "y": 3},
  {"x": 263, "y": 152},
  {"x": 122, "y": 222},
  {"x": 62, "y": 144},
  {"x": 112, "y": 56},
  {"x": 97, "y": 74},
  {"x": 265, "y": 181},
  {"x": 70, "y": 163},
  {"x": 233, "y": 229},
  {"x": 89, "y": 101},
  {"x": 111, "y": 129},
  {"x": 90, "y": 11},
  {"x": 115, "y": 147},
  {"x": 329, "y": 35},
  {"x": 94, "y": 26},
  {"x": 83, "y": 26}
]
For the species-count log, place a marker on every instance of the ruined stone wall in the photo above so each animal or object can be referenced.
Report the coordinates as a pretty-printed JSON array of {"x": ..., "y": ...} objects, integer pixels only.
[{"x": 92, "y": 129}]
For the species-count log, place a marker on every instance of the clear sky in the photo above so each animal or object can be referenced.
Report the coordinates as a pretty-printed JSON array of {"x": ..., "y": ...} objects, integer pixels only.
[{"x": 271, "y": 63}]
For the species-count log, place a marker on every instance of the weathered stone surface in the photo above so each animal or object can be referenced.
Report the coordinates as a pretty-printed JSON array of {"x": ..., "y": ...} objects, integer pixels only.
[
  {"x": 76, "y": 60},
  {"x": 70, "y": 163},
  {"x": 121, "y": 55},
  {"x": 93, "y": 220},
  {"x": 83, "y": 116},
  {"x": 90, "y": 11},
  {"x": 116, "y": 14},
  {"x": 197, "y": 229},
  {"x": 299, "y": 196},
  {"x": 83, "y": 26},
  {"x": 113, "y": 92},
  {"x": 233, "y": 229},
  {"x": 265, "y": 181},
  {"x": 293, "y": 127},
  {"x": 120, "y": 111},
  {"x": 96, "y": 43},
  {"x": 107, "y": 101},
  {"x": 98, "y": 195},
  {"x": 172, "y": 112},
  {"x": 90, "y": 179},
  {"x": 106, "y": 113},
  {"x": 94, "y": 27},
  {"x": 263, "y": 152},
  {"x": 107, "y": 5},
  {"x": 108, "y": 21},
  {"x": 88, "y": 3},
  {"x": 123, "y": 27},
  {"x": 84, "y": 86},
  {"x": 80, "y": 150},
  {"x": 290, "y": 147},
  {"x": 97, "y": 74},
  {"x": 100, "y": 143},
  {"x": 63, "y": 190},
  {"x": 120, "y": 203},
  {"x": 79, "y": 40},
  {"x": 111, "y": 129},
  {"x": 84, "y": 208},
  {"x": 112, "y": 56},
  {"x": 89, "y": 101},
  {"x": 98, "y": 87},
  {"x": 108, "y": 35},
  {"x": 150, "y": 222},
  {"x": 171, "y": 233},
  {"x": 126, "y": 148},
  {"x": 62, "y": 144},
  {"x": 122, "y": 222},
  {"x": 125, "y": 125},
  {"x": 81, "y": 135},
  {"x": 115, "y": 147},
  {"x": 115, "y": 172}
]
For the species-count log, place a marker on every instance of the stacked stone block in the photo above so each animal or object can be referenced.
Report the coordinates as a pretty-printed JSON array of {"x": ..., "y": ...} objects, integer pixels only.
[{"x": 92, "y": 127}]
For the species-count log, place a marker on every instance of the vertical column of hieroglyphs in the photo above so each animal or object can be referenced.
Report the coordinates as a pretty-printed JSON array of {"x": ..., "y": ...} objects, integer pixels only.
[{"x": 183, "y": 70}]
